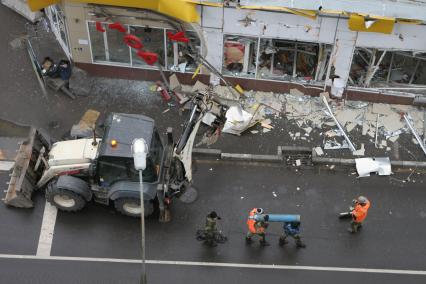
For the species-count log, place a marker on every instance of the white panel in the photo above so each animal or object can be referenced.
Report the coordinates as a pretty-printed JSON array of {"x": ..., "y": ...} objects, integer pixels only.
[
  {"x": 403, "y": 37},
  {"x": 343, "y": 50},
  {"x": 342, "y": 60},
  {"x": 271, "y": 24},
  {"x": 214, "y": 44},
  {"x": 343, "y": 32},
  {"x": 327, "y": 31},
  {"x": 232, "y": 24},
  {"x": 390, "y": 8},
  {"x": 212, "y": 17}
]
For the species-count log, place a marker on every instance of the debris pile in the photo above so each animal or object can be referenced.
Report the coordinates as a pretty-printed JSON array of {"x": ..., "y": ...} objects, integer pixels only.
[{"x": 310, "y": 118}]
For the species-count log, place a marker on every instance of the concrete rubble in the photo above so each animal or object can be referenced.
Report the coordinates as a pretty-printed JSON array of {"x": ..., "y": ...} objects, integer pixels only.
[{"x": 381, "y": 124}]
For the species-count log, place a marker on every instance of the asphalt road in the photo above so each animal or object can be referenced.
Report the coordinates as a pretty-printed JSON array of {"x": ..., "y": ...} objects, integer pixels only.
[
  {"x": 41, "y": 272},
  {"x": 392, "y": 237}
]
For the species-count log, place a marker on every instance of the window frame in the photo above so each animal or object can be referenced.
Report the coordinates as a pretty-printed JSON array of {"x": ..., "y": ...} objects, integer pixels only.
[
  {"x": 256, "y": 41},
  {"x": 295, "y": 54},
  {"x": 131, "y": 64},
  {"x": 55, "y": 12}
]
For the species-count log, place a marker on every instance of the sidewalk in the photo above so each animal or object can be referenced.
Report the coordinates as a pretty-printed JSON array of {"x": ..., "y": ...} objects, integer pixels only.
[{"x": 301, "y": 122}]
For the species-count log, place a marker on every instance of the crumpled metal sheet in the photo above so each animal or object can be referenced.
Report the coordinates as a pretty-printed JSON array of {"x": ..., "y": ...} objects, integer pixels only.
[
  {"x": 365, "y": 166},
  {"x": 334, "y": 145},
  {"x": 237, "y": 120}
]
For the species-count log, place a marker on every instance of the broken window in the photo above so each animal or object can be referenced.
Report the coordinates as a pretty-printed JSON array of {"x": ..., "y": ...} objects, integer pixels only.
[
  {"x": 152, "y": 40},
  {"x": 97, "y": 43},
  {"x": 383, "y": 68},
  {"x": 368, "y": 66},
  {"x": 289, "y": 60},
  {"x": 117, "y": 50},
  {"x": 408, "y": 68},
  {"x": 239, "y": 58},
  {"x": 108, "y": 46},
  {"x": 178, "y": 58}
]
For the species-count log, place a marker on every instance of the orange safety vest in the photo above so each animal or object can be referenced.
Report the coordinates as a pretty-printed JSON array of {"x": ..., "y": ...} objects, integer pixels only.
[
  {"x": 251, "y": 223},
  {"x": 360, "y": 212}
]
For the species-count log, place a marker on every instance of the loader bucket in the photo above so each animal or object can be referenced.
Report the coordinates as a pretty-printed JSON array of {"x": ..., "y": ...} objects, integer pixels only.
[{"x": 24, "y": 152}]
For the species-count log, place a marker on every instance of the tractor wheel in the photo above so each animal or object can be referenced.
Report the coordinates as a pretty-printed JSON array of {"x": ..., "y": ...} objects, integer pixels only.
[
  {"x": 64, "y": 199},
  {"x": 131, "y": 207}
]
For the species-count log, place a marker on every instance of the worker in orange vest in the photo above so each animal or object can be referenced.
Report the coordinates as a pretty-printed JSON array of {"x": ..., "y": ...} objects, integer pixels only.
[
  {"x": 257, "y": 227},
  {"x": 359, "y": 213}
]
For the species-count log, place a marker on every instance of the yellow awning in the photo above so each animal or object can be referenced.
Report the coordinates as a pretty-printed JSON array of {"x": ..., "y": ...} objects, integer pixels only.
[
  {"x": 179, "y": 9},
  {"x": 374, "y": 24},
  {"x": 36, "y": 5},
  {"x": 205, "y": 3}
]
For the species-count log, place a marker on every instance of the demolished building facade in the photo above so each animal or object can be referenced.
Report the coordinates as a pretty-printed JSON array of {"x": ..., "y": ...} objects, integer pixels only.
[{"x": 372, "y": 52}]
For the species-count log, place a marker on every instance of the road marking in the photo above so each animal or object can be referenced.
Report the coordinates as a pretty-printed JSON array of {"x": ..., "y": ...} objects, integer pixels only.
[
  {"x": 218, "y": 264},
  {"x": 47, "y": 228}
]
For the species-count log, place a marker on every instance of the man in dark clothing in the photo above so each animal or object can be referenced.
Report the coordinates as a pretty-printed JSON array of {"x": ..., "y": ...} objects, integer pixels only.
[
  {"x": 291, "y": 229},
  {"x": 210, "y": 229}
]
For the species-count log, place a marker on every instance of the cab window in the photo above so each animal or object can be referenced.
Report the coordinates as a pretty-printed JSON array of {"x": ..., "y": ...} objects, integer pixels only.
[{"x": 113, "y": 169}]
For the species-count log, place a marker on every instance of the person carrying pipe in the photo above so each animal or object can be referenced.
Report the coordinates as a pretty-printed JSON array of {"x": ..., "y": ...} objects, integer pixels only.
[
  {"x": 257, "y": 228},
  {"x": 359, "y": 213},
  {"x": 291, "y": 229}
]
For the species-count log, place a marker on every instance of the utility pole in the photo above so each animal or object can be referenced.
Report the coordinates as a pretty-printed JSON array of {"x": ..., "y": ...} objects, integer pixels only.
[
  {"x": 143, "y": 273},
  {"x": 140, "y": 151}
]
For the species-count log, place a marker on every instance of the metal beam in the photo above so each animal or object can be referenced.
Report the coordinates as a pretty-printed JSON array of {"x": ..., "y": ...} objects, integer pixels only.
[
  {"x": 295, "y": 61},
  {"x": 351, "y": 146},
  {"x": 383, "y": 8},
  {"x": 414, "y": 72},
  {"x": 407, "y": 120},
  {"x": 370, "y": 75},
  {"x": 390, "y": 68}
]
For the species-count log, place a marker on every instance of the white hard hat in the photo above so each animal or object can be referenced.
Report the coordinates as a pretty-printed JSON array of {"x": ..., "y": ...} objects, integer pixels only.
[{"x": 259, "y": 210}]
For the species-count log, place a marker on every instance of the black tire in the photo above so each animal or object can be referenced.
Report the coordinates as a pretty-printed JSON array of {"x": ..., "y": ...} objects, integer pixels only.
[
  {"x": 64, "y": 199},
  {"x": 130, "y": 207}
]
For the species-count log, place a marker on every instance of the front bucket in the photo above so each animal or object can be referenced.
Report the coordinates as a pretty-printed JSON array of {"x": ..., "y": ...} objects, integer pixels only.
[
  {"x": 25, "y": 171},
  {"x": 23, "y": 179}
]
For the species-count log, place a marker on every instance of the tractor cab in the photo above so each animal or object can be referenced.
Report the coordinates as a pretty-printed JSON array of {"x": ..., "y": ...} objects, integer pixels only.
[{"x": 115, "y": 160}]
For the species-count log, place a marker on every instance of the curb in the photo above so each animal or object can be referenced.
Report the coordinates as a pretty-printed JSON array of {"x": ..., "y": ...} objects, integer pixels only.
[
  {"x": 292, "y": 150},
  {"x": 252, "y": 157},
  {"x": 351, "y": 162},
  {"x": 205, "y": 152}
]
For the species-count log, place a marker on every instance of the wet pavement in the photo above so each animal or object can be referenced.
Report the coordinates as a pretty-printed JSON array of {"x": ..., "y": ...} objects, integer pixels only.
[{"x": 392, "y": 237}]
